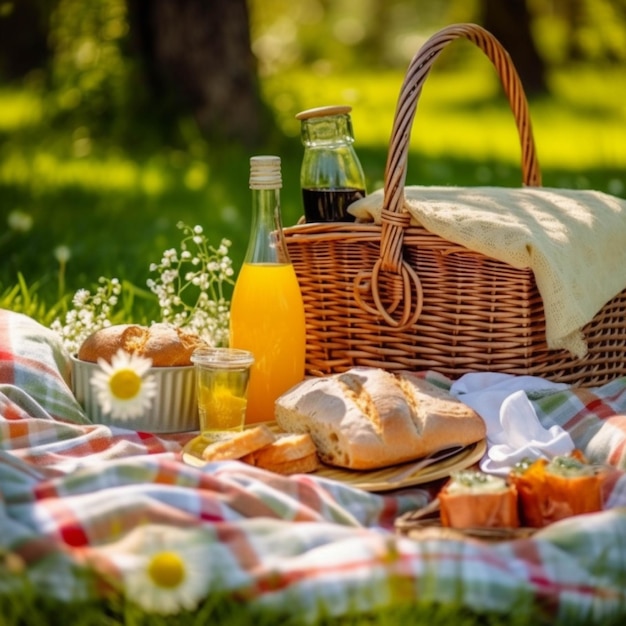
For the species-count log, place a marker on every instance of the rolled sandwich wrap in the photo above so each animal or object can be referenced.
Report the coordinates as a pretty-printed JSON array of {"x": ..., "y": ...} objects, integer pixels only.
[
  {"x": 473, "y": 499},
  {"x": 553, "y": 490}
]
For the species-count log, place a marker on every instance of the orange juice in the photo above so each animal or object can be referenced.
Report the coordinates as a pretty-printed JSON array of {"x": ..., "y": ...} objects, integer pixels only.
[{"x": 267, "y": 318}]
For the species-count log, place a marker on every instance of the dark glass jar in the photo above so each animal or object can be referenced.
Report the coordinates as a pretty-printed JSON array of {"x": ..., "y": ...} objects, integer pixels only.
[{"x": 331, "y": 177}]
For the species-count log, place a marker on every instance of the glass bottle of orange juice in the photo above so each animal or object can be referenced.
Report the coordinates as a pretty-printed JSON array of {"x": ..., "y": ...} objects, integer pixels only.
[{"x": 267, "y": 313}]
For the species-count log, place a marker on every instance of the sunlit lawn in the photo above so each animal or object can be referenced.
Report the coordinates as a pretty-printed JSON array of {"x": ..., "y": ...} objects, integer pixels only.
[
  {"x": 116, "y": 210},
  {"x": 582, "y": 124}
]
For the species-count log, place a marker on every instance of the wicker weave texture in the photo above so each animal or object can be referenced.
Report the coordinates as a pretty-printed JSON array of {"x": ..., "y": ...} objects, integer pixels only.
[{"x": 399, "y": 297}]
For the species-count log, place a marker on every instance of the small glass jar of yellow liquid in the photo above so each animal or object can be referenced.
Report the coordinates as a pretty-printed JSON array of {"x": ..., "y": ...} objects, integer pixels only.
[{"x": 222, "y": 376}]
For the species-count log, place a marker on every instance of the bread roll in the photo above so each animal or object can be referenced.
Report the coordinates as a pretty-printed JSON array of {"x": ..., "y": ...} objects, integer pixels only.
[
  {"x": 367, "y": 418},
  {"x": 166, "y": 345}
]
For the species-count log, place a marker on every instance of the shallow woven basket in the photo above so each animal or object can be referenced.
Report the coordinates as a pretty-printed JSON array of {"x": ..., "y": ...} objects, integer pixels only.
[
  {"x": 399, "y": 297},
  {"x": 425, "y": 523}
]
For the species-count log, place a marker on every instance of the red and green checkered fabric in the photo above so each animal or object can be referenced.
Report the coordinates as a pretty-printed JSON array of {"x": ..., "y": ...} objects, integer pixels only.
[{"x": 78, "y": 496}]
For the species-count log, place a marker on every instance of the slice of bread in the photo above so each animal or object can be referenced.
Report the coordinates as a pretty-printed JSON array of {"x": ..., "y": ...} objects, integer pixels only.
[
  {"x": 239, "y": 444},
  {"x": 285, "y": 447},
  {"x": 303, "y": 465}
]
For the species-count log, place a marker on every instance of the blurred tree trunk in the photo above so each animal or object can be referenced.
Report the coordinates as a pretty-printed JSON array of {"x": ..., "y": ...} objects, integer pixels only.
[
  {"x": 24, "y": 27},
  {"x": 200, "y": 50},
  {"x": 510, "y": 22}
]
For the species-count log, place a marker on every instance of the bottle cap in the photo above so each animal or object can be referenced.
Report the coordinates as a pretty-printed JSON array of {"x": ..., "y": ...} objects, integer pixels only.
[
  {"x": 335, "y": 109},
  {"x": 265, "y": 172}
]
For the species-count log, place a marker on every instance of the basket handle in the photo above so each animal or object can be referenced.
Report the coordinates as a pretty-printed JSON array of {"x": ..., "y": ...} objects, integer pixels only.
[{"x": 395, "y": 218}]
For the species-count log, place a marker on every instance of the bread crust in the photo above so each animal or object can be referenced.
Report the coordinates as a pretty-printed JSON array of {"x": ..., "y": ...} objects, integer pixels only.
[
  {"x": 166, "y": 345},
  {"x": 367, "y": 418}
]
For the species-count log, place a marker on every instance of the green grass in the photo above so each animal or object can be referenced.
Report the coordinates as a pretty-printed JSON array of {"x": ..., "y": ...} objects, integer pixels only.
[
  {"x": 33, "y": 609},
  {"x": 116, "y": 210}
]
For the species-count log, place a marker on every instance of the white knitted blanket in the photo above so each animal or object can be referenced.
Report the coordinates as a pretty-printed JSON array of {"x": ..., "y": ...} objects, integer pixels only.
[{"x": 573, "y": 240}]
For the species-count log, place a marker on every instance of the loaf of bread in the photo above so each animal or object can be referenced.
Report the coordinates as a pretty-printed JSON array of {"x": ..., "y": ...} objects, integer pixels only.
[
  {"x": 166, "y": 345},
  {"x": 368, "y": 418}
]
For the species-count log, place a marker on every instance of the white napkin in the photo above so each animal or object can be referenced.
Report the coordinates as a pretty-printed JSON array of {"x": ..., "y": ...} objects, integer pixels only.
[{"x": 513, "y": 429}]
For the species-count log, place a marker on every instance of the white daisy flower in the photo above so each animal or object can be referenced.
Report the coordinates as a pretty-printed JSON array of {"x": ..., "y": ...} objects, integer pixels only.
[
  {"x": 120, "y": 386},
  {"x": 168, "y": 578}
]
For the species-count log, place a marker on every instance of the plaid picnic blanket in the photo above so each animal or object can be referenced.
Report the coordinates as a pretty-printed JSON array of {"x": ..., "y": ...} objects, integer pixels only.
[{"x": 79, "y": 497}]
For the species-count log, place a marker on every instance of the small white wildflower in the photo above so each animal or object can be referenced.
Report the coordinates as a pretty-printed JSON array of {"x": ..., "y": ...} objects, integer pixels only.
[
  {"x": 62, "y": 254},
  {"x": 89, "y": 313},
  {"x": 19, "y": 221},
  {"x": 80, "y": 297},
  {"x": 185, "y": 295},
  {"x": 188, "y": 285},
  {"x": 169, "y": 276}
]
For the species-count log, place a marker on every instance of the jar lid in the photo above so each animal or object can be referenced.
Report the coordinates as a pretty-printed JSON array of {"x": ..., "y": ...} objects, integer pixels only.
[{"x": 335, "y": 109}]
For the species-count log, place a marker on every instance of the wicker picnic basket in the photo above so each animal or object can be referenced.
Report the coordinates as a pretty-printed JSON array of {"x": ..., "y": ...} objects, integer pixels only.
[{"x": 396, "y": 296}]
